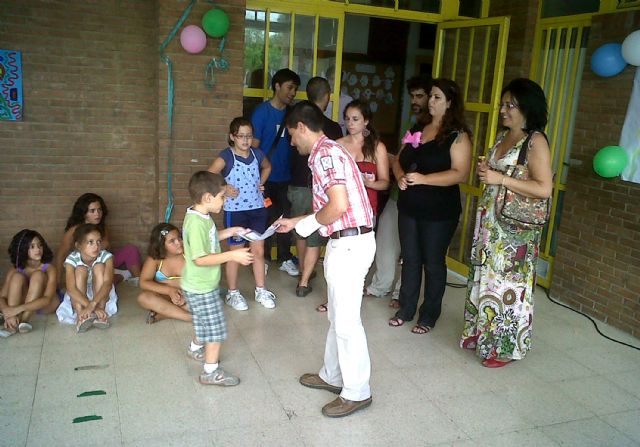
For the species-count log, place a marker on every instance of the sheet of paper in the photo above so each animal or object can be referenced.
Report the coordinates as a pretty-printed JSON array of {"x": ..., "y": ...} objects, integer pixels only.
[{"x": 255, "y": 236}]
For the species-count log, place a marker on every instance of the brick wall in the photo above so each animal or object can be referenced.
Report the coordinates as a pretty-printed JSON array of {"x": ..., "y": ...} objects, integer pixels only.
[
  {"x": 523, "y": 14},
  {"x": 597, "y": 267},
  {"x": 95, "y": 112}
]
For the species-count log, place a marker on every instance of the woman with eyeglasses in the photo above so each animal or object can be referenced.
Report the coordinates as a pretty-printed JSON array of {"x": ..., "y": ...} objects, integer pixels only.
[
  {"x": 429, "y": 169},
  {"x": 160, "y": 278},
  {"x": 498, "y": 312}
]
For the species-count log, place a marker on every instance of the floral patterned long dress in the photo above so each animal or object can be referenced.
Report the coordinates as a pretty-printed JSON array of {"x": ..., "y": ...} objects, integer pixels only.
[{"x": 499, "y": 305}]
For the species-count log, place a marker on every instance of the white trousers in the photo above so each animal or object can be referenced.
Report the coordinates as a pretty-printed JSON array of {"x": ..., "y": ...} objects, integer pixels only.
[
  {"x": 387, "y": 253},
  {"x": 346, "y": 356}
]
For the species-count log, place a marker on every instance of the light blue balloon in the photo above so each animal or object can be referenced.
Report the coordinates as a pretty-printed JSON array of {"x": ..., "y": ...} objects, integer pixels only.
[{"x": 607, "y": 60}]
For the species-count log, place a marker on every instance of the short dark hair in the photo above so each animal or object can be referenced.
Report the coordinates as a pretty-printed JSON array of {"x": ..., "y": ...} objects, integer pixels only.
[
  {"x": 317, "y": 87},
  {"x": 531, "y": 102},
  {"x": 421, "y": 81},
  {"x": 157, "y": 239},
  {"x": 19, "y": 248},
  {"x": 283, "y": 75},
  {"x": 235, "y": 126},
  {"x": 81, "y": 207},
  {"x": 81, "y": 231},
  {"x": 203, "y": 182},
  {"x": 307, "y": 113}
]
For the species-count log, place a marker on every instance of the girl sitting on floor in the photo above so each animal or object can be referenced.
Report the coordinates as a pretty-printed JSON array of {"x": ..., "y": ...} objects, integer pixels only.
[
  {"x": 90, "y": 298},
  {"x": 30, "y": 285},
  {"x": 160, "y": 277},
  {"x": 90, "y": 208}
]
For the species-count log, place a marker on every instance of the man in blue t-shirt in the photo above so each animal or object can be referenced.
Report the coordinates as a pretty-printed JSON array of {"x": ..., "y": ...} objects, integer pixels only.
[{"x": 272, "y": 138}]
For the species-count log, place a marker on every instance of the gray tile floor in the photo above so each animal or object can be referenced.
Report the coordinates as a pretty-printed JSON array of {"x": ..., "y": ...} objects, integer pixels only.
[{"x": 574, "y": 388}]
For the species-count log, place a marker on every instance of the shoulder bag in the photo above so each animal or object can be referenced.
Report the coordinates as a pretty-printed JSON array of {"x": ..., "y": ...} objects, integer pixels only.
[{"x": 515, "y": 209}]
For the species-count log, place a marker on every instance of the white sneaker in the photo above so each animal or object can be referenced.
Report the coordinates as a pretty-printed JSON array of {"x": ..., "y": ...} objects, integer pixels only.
[
  {"x": 235, "y": 299},
  {"x": 266, "y": 298},
  {"x": 290, "y": 267}
]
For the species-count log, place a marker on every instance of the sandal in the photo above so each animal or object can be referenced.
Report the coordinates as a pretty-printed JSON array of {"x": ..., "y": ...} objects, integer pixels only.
[
  {"x": 322, "y": 308},
  {"x": 396, "y": 322},
  {"x": 151, "y": 317},
  {"x": 394, "y": 303},
  {"x": 101, "y": 324},
  {"x": 421, "y": 329},
  {"x": 85, "y": 324}
]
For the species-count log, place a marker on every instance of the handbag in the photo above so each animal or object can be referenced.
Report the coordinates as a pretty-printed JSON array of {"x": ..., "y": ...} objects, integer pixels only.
[{"x": 515, "y": 209}]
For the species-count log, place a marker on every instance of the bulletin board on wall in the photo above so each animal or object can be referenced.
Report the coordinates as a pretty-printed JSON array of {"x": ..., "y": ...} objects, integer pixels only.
[{"x": 381, "y": 86}]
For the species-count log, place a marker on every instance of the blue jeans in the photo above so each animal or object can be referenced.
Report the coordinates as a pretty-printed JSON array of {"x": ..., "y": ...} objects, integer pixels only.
[{"x": 424, "y": 246}]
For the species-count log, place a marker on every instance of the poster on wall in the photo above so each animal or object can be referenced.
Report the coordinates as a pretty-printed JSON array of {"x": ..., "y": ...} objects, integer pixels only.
[
  {"x": 630, "y": 137},
  {"x": 10, "y": 85}
]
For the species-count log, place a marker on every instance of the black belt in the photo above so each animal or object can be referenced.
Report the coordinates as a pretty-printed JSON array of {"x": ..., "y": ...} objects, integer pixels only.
[{"x": 350, "y": 232}]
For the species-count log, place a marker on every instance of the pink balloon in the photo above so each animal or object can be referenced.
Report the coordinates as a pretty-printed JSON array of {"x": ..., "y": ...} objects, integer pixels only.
[{"x": 193, "y": 39}]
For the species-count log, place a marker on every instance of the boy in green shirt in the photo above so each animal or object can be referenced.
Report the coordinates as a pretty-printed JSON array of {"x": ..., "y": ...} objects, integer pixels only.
[{"x": 201, "y": 274}]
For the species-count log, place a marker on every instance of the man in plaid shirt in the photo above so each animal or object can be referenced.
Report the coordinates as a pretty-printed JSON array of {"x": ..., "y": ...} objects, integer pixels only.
[{"x": 341, "y": 212}]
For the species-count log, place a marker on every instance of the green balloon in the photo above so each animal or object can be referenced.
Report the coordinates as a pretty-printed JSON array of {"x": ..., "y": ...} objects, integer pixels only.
[
  {"x": 610, "y": 161},
  {"x": 215, "y": 23}
]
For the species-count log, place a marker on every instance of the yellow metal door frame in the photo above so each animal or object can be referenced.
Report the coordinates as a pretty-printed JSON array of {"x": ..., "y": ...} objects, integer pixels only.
[{"x": 484, "y": 106}]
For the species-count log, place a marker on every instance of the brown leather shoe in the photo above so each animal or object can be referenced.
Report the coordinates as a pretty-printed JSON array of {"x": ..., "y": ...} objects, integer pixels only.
[
  {"x": 314, "y": 381},
  {"x": 342, "y": 407}
]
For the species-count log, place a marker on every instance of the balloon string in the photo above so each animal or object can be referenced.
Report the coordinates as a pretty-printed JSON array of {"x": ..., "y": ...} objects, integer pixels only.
[
  {"x": 167, "y": 61},
  {"x": 220, "y": 63}
]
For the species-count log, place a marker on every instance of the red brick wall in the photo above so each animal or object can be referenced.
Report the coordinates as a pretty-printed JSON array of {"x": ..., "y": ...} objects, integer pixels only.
[
  {"x": 523, "y": 14},
  {"x": 597, "y": 267},
  {"x": 95, "y": 112}
]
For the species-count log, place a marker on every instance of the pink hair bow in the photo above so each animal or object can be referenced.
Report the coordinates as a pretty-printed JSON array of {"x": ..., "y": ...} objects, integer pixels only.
[{"x": 412, "y": 139}]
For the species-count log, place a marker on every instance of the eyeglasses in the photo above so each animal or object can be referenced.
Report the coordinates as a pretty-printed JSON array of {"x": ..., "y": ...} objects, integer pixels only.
[
  {"x": 508, "y": 105},
  {"x": 243, "y": 137}
]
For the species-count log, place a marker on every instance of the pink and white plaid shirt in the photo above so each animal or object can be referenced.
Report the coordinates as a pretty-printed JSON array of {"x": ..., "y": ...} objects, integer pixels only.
[{"x": 332, "y": 165}]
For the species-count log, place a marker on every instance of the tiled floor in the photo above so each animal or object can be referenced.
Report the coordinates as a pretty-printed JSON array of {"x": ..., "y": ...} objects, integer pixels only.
[{"x": 574, "y": 389}]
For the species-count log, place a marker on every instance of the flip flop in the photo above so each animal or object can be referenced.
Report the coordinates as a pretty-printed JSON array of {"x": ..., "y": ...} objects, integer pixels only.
[
  {"x": 84, "y": 325},
  {"x": 396, "y": 322},
  {"x": 322, "y": 308},
  {"x": 151, "y": 317},
  {"x": 420, "y": 329},
  {"x": 101, "y": 324}
]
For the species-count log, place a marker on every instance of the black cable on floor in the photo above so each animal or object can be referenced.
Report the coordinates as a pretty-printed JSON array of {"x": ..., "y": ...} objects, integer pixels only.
[{"x": 589, "y": 318}]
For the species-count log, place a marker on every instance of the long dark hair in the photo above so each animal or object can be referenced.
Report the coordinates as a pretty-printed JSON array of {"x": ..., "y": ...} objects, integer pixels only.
[
  {"x": 453, "y": 119},
  {"x": 158, "y": 236},
  {"x": 19, "y": 248},
  {"x": 81, "y": 207},
  {"x": 371, "y": 140},
  {"x": 531, "y": 102}
]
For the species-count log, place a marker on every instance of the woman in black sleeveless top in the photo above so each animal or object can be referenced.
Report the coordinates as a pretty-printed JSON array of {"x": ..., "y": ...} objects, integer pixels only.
[{"x": 429, "y": 170}]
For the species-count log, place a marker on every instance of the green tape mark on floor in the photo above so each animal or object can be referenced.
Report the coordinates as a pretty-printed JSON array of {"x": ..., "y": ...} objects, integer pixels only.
[
  {"x": 92, "y": 393},
  {"x": 92, "y": 417}
]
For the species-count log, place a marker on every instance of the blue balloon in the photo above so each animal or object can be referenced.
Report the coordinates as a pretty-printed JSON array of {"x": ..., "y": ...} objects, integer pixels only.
[{"x": 607, "y": 60}]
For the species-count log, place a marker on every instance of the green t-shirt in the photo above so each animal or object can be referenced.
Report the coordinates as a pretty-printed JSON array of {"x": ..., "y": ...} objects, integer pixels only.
[{"x": 200, "y": 238}]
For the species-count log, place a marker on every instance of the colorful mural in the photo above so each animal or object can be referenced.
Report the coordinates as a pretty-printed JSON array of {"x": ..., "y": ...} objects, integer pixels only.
[{"x": 10, "y": 85}]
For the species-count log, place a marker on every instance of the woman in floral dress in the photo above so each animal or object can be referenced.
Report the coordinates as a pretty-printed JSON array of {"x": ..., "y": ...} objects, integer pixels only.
[{"x": 499, "y": 306}]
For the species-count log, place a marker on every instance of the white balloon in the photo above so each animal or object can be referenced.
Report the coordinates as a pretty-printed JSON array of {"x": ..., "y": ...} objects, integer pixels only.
[{"x": 631, "y": 48}]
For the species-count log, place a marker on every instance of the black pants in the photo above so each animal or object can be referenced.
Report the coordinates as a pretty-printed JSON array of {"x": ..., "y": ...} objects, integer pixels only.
[
  {"x": 423, "y": 245},
  {"x": 277, "y": 192}
]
